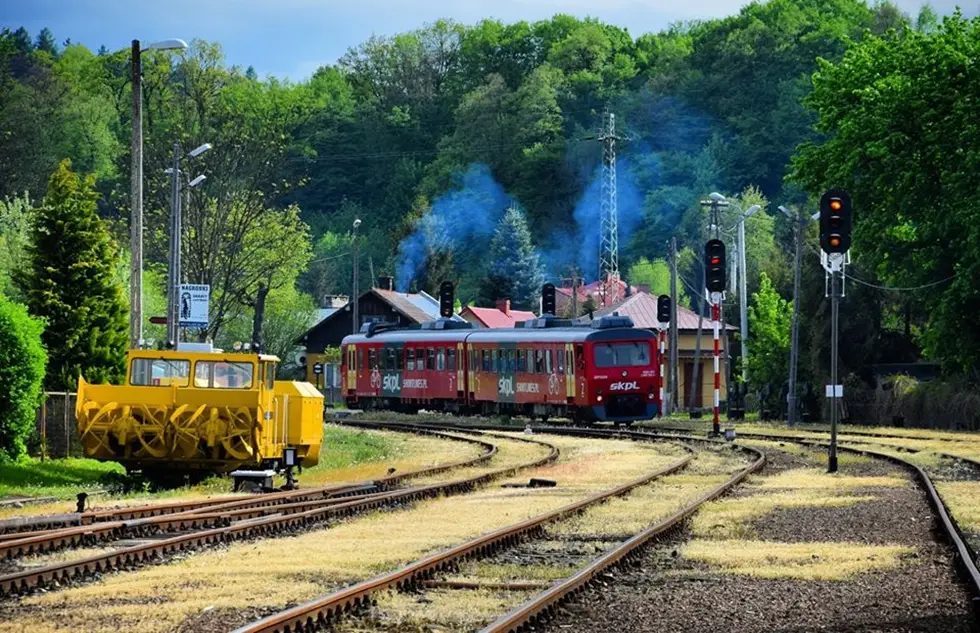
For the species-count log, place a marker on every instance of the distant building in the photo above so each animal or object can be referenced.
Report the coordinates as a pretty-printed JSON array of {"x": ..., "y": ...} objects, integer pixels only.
[
  {"x": 381, "y": 304},
  {"x": 501, "y": 316},
  {"x": 641, "y": 307}
]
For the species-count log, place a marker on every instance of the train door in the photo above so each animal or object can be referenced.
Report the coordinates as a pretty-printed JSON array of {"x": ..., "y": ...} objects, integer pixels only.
[{"x": 351, "y": 368}]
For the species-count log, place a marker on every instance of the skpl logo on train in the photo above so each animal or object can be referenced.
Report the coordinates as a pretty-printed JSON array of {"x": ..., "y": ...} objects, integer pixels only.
[{"x": 547, "y": 367}]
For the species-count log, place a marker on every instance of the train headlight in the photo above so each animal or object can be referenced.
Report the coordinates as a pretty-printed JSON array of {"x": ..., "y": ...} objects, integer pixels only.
[
  {"x": 599, "y": 398},
  {"x": 650, "y": 396}
]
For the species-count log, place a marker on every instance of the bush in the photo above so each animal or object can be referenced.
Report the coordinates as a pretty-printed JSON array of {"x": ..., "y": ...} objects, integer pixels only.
[
  {"x": 22, "y": 363},
  {"x": 935, "y": 404}
]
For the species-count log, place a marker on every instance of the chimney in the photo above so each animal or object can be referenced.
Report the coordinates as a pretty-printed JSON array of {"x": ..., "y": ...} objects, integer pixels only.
[
  {"x": 386, "y": 283},
  {"x": 504, "y": 306}
]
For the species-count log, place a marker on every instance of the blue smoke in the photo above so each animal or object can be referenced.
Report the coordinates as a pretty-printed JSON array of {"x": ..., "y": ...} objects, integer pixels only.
[
  {"x": 462, "y": 217},
  {"x": 580, "y": 247}
]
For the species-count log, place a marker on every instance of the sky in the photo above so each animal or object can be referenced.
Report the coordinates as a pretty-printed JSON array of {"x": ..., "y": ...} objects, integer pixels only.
[{"x": 292, "y": 38}]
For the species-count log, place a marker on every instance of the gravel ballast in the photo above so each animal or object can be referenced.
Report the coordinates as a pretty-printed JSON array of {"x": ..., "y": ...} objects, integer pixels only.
[{"x": 667, "y": 593}]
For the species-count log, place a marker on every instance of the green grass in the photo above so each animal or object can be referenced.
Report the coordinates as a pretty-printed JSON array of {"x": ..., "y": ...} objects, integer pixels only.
[
  {"x": 343, "y": 447},
  {"x": 62, "y": 478}
]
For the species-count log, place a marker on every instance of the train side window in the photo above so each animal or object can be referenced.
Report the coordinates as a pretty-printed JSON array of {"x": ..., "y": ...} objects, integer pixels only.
[
  {"x": 430, "y": 360},
  {"x": 148, "y": 372},
  {"x": 579, "y": 358},
  {"x": 441, "y": 359},
  {"x": 547, "y": 361},
  {"x": 569, "y": 366},
  {"x": 372, "y": 359},
  {"x": 560, "y": 356},
  {"x": 400, "y": 358},
  {"x": 521, "y": 361},
  {"x": 452, "y": 360},
  {"x": 360, "y": 358},
  {"x": 512, "y": 360},
  {"x": 411, "y": 360},
  {"x": 270, "y": 375},
  {"x": 538, "y": 361},
  {"x": 494, "y": 361},
  {"x": 223, "y": 375}
]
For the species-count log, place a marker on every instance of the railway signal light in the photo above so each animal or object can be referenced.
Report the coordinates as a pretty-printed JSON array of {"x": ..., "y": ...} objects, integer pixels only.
[
  {"x": 548, "y": 299},
  {"x": 714, "y": 266},
  {"x": 446, "y": 299},
  {"x": 835, "y": 221},
  {"x": 663, "y": 308}
]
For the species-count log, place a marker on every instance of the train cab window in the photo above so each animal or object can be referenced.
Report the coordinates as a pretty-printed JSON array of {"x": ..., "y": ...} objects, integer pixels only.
[
  {"x": 430, "y": 360},
  {"x": 452, "y": 360},
  {"x": 270, "y": 375},
  {"x": 222, "y": 375},
  {"x": 158, "y": 372},
  {"x": 441, "y": 359},
  {"x": 631, "y": 354},
  {"x": 411, "y": 360},
  {"x": 579, "y": 358}
]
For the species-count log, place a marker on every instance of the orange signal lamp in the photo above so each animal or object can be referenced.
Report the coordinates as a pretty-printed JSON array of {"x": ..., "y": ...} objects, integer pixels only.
[
  {"x": 835, "y": 205},
  {"x": 835, "y": 241}
]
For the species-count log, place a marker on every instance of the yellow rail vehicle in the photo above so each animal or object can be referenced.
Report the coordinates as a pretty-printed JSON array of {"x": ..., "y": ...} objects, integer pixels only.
[{"x": 207, "y": 411}]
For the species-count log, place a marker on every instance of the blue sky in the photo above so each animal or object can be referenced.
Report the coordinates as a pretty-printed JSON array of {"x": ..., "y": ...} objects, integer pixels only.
[{"x": 291, "y": 38}]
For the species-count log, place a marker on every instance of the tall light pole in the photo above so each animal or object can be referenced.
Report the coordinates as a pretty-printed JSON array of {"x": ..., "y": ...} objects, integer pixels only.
[
  {"x": 136, "y": 189},
  {"x": 354, "y": 298},
  {"x": 799, "y": 222},
  {"x": 176, "y": 232},
  {"x": 743, "y": 299}
]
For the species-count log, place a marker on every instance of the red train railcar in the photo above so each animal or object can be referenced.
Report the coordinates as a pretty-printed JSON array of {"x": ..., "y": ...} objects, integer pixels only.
[{"x": 606, "y": 371}]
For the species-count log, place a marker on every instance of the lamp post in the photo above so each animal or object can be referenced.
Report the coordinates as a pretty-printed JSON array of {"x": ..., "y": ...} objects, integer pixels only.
[
  {"x": 799, "y": 221},
  {"x": 354, "y": 298},
  {"x": 136, "y": 189},
  {"x": 176, "y": 231}
]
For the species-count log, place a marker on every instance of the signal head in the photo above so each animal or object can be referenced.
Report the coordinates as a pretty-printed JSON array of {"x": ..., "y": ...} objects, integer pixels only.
[
  {"x": 835, "y": 221},
  {"x": 714, "y": 269}
]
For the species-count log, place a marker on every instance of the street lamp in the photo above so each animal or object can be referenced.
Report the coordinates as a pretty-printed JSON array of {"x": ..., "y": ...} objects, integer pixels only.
[
  {"x": 176, "y": 232},
  {"x": 136, "y": 189},
  {"x": 354, "y": 298},
  {"x": 798, "y": 223}
]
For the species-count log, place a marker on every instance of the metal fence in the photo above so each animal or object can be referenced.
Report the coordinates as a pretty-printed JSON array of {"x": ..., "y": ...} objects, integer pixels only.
[{"x": 55, "y": 433}]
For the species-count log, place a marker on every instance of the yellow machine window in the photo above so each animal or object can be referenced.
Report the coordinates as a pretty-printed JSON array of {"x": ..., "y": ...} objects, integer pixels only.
[
  {"x": 159, "y": 372},
  {"x": 222, "y": 375},
  {"x": 270, "y": 375}
]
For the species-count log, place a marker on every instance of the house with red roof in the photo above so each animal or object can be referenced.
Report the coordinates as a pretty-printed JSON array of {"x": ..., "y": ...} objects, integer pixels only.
[{"x": 501, "y": 316}]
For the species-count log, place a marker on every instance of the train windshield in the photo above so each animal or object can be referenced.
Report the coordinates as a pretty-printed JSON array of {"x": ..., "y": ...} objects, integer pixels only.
[
  {"x": 159, "y": 372},
  {"x": 222, "y": 375},
  {"x": 634, "y": 354}
]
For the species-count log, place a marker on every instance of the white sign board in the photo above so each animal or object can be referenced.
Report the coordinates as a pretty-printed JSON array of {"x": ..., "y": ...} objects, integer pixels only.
[
  {"x": 194, "y": 304},
  {"x": 834, "y": 391}
]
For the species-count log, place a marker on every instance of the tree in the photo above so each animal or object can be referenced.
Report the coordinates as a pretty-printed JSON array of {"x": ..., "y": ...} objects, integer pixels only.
[
  {"x": 768, "y": 346},
  {"x": 70, "y": 283},
  {"x": 515, "y": 271},
  {"x": 15, "y": 227},
  {"x": 22, "y": 362},
  {"x": 289, "y": 313},
  {"x": 655, "y": 275},
  {"x": 901, "y": 141}
]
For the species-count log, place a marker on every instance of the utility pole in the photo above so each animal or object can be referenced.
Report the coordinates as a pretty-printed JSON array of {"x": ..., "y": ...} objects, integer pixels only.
[
  {"x": 794, "y": 350},
  {"x": 355, "y": 300},
  {"x": 173, "y": 277},
  {"x": 672, "y": 388},
  {"x": 136, "y": 205},
  {"x": 743, "y": 300}
]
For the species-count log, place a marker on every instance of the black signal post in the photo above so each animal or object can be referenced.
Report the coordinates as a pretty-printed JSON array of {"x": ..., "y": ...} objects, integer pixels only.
[
  {"x": 664, "y": 317},
  {"x": 548, "y": 299},
  {"x": 714, "y": 265},
  {"x": 835, "y": 241},
  {"x": 446, "y": 299}
]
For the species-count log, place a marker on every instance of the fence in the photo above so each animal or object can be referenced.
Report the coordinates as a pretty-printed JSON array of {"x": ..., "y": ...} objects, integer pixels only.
[
  {"x": 329, "y": 384},
  {"x": 56, "y": 434}
]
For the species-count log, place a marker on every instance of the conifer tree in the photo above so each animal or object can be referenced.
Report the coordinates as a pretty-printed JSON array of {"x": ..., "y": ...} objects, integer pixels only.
[
  {"x": 515, "y": 269},
  {"x": 70, "y": 284}
]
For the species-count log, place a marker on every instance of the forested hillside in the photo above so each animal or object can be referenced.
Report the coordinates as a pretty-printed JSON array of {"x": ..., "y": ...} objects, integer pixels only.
[{"x": 429, "y": 136}]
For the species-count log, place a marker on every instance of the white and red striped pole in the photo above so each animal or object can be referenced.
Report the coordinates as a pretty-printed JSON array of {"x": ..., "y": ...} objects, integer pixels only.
[
  {"x": 715, "y": 318},
  {"x": 661, "y": 379}
]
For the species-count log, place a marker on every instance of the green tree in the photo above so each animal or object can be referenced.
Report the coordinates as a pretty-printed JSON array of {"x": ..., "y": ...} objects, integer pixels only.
[
  {"x": 770, "y": 317},
  {"x": 70, "y": 283},
  {"x": 22, "y": 363},
  {"x": 15, "y": 231},
  {"x": 654, "y": 274},
  {"x": 915, "y": 221},
  {"x": 515, "y": 269},
  {"x": 289, "y": 313}
]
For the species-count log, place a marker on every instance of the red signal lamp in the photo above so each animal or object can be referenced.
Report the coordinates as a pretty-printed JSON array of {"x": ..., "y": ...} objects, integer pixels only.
[{"x": 715, "y": 261}]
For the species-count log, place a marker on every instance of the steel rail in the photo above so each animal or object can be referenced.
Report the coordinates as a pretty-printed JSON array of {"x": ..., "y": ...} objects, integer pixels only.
[
  {"x": 20, "y": 582},
  {"x": 547, "y": 602},
  {"x": 325, "y": 609},
  {"x": 242, "y": 501}
]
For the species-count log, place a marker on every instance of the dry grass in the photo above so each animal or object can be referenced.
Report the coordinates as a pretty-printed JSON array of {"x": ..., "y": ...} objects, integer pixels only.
[
  {"x": 963, "y": 500},
  {"x": 271, "y": 573},
  {"x": 800, "y": 561},
  {"x": 815, "y": 479},
  {"x": 439, "y": 610}
]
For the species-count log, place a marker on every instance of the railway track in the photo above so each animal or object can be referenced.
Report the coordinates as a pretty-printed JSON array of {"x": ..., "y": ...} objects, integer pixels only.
[
  {"x": 546, "y": 603},
  {"x": 324, "y": 610},
  {"x": 297, "y": 518},
  {"x": 20, "y": 527}
]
